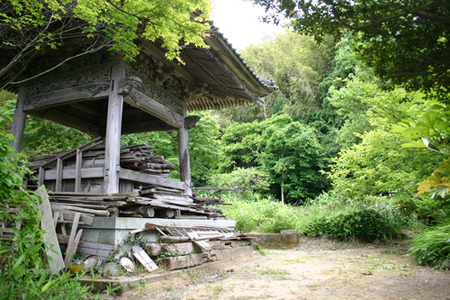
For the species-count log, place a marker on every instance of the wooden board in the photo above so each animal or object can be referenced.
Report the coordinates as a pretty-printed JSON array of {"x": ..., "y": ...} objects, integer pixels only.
[
  {"x": 144, "y": 259},
  {"x": 54, "y": 251},
  {"x": 74, "y": 238}
]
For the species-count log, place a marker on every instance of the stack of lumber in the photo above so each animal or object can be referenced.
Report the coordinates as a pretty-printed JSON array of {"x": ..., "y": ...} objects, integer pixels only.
[
  {"x": 193, "y": 245},
  {"x": 137, "y": 157},
  {"x": 129, "y": 205},
  {"x": 148, "y": 193}
]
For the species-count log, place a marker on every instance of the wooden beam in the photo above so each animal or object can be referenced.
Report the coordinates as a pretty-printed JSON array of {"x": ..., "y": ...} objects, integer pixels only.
[
  {"x": 68, "y": 120},
  {"x": 183, "y": 152},
  {"x": 78, "y": 165},
  {"x": 156, "y": 125},
  {"x": 71, "y": 173},
  {"x": 18, "y": 124},
  {"x": 64, "y": 96},
  {"x": 113, "y": 132},
  {"x": 86, "y": 109},
  {"x": 59, "y": 175},
  {"x": 151, "y": 179},
  {"x": 155, "y": 108}
]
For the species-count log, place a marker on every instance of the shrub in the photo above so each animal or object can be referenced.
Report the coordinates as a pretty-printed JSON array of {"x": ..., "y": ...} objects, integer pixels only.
[
  {"x": 23, "y": 270},
  {"x": 366, "y": 225},
  {"x": 262, "y": 215},
  {"x": 432, "y": 247}
]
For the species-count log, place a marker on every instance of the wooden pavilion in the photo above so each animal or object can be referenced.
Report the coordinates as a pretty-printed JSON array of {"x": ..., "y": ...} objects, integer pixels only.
[{"x": 103, "y": 95}]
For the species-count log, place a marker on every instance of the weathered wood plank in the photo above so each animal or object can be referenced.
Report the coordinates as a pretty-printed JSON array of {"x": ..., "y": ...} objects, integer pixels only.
[
  {"x": 59, "y": 171},
  {"x": 183, "y": 153},
  {"x": 113, "y": 132},
  {"x": 67, "y": 119},
  {"x": 53, "y": 251},
  {"x": 144, "y": 259},
  {"x": 153, "y": 107},
  {"x": 78, "y": 163},
  {"x": 73, "y": 243},
  {"x": 150, "y": 179},
  {"x": 81, "y": 209},
  {"x": 19, "y": 118},
  {"x": 69, "y": 215},
  {"x": 96, "y": 172}
]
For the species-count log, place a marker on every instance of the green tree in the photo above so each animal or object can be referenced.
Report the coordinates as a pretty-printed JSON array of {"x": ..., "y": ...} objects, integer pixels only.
[
  {"x": 29, "y": 27},
  {"x": 297, "y": 64},
  {"x": 289, "y": 152},
  {"x": 240, "y": 146},
  {"x": 379, "y": 163},
  {"x": 404, "y": 41},
  {"x": 291, "y": 155}
]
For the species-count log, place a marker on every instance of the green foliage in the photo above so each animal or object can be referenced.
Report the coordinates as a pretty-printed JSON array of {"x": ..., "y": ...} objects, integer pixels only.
[
  {"x": 32, "y": 25},
  {"x": 432, "y": 247},
  {"x": 431, "y": 131},
  {"x": 244, "y": 181},
  {"x": 365, "y": 224},
  {"x": 297, "y": 64},
  {"x": 23, "y": 269},
  {"x": 396, "y": 38},
  {"x": 430, "y": 211},
  {"x": 287, "y": 151},
  {"x": 291, "y": 154},
  {"x": 379, "y": 163},
  {"x": 261, "y": 215},
  {"x": 240, "y": 146}
]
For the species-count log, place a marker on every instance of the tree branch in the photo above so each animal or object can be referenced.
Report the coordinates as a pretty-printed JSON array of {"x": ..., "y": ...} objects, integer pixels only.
[{"x": 59, "y": 64}]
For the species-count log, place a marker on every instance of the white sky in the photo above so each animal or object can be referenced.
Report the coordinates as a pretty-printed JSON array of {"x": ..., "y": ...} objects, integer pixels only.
[{"x": 238, "y": 21}]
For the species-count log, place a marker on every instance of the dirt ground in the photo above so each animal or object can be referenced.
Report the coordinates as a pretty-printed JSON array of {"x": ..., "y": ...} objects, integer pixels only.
[{"x": 317, "y": 269}]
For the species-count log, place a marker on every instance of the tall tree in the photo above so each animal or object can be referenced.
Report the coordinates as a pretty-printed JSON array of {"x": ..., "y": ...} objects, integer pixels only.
[
  {"x": 288, "y": 151},
  {"x": 29, "y": 27},
  {"x": 404, "y": 41}
]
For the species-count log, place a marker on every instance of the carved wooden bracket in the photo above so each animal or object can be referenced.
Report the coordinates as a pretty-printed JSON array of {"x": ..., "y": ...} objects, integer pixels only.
[
  {"x": 127, "y": 84},
  {"x": 191, "y": 121}
]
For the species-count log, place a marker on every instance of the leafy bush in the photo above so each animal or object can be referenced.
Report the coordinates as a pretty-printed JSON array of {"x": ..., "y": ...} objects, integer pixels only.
[
  {"x": 23, "y": 270},
  {"x": 262, "y": 215},
  {"x": 244, "y": 181},
  {"x": 366, "y": 225},
  {"x": 432, "y": 247}
]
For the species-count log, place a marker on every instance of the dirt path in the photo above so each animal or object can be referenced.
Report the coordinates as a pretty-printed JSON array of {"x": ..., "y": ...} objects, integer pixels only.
[{"x": 316, "y": 270}]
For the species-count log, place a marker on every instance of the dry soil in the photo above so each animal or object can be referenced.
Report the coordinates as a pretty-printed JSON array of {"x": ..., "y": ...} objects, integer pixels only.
[{"x": 317, "y": 269}]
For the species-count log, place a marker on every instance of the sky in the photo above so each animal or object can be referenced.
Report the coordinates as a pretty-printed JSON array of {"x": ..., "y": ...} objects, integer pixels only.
[{"x": 238, "y": 21}]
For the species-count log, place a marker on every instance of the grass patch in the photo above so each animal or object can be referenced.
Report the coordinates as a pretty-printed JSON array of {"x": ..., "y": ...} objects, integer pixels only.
[{"x": 279, "y": 274}]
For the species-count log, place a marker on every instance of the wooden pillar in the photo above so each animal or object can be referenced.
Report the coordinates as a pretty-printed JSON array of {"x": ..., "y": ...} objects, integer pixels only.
[
  {"x": 18, "y": 124},
  {"x": 183, "y": 152},
  {"x": 113, "y": 132}
]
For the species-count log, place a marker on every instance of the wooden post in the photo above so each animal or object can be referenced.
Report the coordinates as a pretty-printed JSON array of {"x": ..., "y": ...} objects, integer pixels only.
[
  {"x": 18, "y": 124},
  {"x": 113, "y": 132},
  {"x": 183, "y": 152}
]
